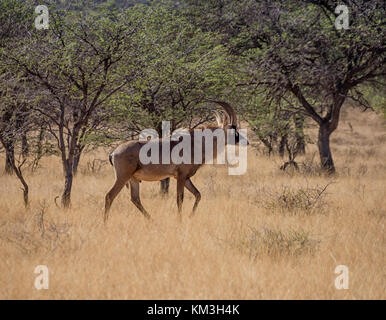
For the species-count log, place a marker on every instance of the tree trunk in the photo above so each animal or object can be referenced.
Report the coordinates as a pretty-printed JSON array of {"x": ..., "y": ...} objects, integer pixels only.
[
  {"x": 9, "y": 155},
  {"x": 282, "y": 144},
  {"x": 326, "y": 162},
  {"x": 165, "y": 186},
  {"x": 267, "y": 143},
  {"x": 76, "y": 163},
  {"x": 299, "y": 129},
  {"x": 68, "y": 163},
  {"x": 39, "y": 149},
  {"x": 24, "y": 145},
  {"x": 10, "y": 161},
  {"x": 66, "y": 196},
  {"x": 25, "y": 186}
]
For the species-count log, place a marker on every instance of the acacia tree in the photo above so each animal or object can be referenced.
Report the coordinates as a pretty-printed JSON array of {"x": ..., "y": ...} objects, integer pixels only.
[
  {"x": 238, "y": 33},
  {"x": 273, "y": 124},
  {"x": 181, "y": 66},
  {"x": 15, "y": 18},
  {"x": 311, "y": 65},
  {"x": 293, "y": 50},
  {"x": 16, "y": 118},
  {"x": 77, "y": 65}
]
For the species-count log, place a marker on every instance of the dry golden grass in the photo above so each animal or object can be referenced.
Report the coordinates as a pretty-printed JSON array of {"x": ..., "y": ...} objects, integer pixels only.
[{"x": 263, "y": 235}]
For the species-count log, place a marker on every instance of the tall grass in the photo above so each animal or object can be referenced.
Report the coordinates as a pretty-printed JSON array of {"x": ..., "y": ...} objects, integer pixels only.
[{"x": 263, "y": 235}]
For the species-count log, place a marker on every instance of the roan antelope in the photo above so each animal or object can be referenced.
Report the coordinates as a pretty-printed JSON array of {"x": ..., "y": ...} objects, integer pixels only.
[{"x": 130, "y": 170}]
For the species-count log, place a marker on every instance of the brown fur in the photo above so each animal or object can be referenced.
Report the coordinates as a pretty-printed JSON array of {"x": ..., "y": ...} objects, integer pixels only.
[{"x": 129, "y": 169}]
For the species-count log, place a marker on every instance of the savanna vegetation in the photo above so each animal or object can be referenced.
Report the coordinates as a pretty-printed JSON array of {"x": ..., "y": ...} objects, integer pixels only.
[{"x": 311, "y": 95}]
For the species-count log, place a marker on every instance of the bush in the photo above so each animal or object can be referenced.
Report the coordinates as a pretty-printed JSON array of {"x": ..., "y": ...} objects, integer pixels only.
[
  {"x": 301, "y": 200},
  {"x": 274, "y": 243}
]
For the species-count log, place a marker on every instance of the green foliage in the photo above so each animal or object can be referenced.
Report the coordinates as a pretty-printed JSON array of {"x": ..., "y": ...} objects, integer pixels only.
[
  {"x": 181, "y": 65},
  {"x": 294, "y": 57},
  {"x": 376, "y": 97},
  {"x": 171, "y": 55},
  {"x": 15, "y": 18}
]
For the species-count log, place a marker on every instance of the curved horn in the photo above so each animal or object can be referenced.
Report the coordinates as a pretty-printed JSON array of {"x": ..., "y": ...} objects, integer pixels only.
[
  {"x": 219, "y": 118},
  {"x": 228, "y": 109}
]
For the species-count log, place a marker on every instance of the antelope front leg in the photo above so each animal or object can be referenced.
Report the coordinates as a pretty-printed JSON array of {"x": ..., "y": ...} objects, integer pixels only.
[
  {"x": 190, "y": 186},
  {"x": 134, "y": 189},
  {"x": 110, "y": 196}
]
